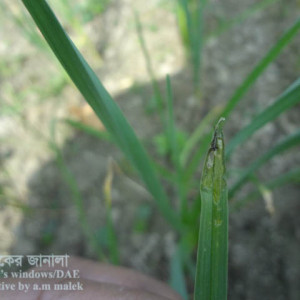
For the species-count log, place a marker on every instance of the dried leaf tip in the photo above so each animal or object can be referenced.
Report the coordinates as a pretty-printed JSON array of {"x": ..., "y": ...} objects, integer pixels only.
[
  {"x": 217, "y": 134},
  {"x": 219, "y": 125}
]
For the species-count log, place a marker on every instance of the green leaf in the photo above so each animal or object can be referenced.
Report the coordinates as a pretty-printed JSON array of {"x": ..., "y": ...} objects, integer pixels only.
[
  {"x": 190, "y": 20},
  {"x": 286, "y": 100},
  {"x": 177, "y": 280},
  {"x": 99, "y": 99},
  {"x": 291, "y": 141},
  {"x": 75, "y": 193},
  {"x": 212, "y": 256},
  {"x": 158, "y": 99},
  {"x": 192, "y": 166},
  {"x": 102, "y": 135},
  {"x": 171, "y": 134},
  {"x": 242, "y": 89},
  {"x": 260, "y": 67},
  {"x": 198, "y": 134},
  {"x": 241, "y": 17},
  {"x": 286, "y": 178}
]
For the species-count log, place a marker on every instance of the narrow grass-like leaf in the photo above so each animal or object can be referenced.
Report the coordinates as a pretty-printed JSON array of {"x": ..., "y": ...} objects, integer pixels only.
[
  {"x": 184, "y": 21},
  {"x": 241, "y": 91},
  {"x": 190, "y": 19},
  {"x": 171, "y": 133},
  {"x": 155, "y": 87},
  {"x": 198, "y": 134},
  {"x": 291, "y": 141},
  {"x": 102, "y": 135},
  {"x": 266, "y": 195},
  {"x": 177, "y": 280},
  {"x": 241, "y": 17},
  {"x": 193, "y": 165},
  {"x": 99, "y": 99},
  {"x": 286, "y": 100},
  {"x": 212, "y": 256},
  {"x": 76, "y": 196},
  {"x": 12, "y": 200},
  {"x": 260, "y": 67},
  {"x": 292, "y": 176},
  {"x": 24, "y": 23},
  {"x": 111, "y": 233}
]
